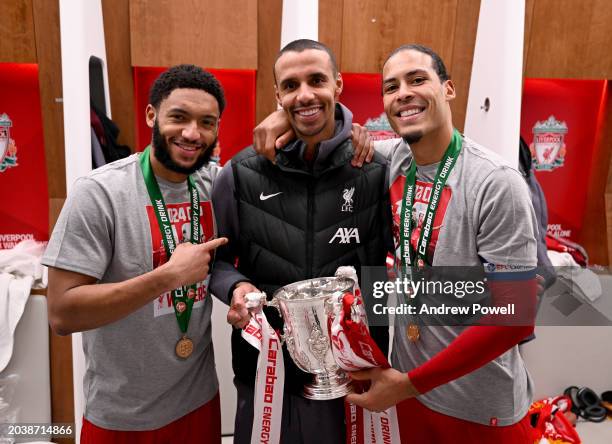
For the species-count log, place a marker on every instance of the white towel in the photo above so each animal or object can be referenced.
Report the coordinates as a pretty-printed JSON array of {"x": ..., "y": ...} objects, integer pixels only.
[
  {"x": 561, "y": 259},
  {"x": 582, "y": 281},
  {"x": 24, "y": 260},
  {"x": 14, "y": 294},
  {"x": 20, "y": 270}
]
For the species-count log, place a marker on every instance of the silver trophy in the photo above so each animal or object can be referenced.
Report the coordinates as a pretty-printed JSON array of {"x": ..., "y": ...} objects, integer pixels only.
[{"x": 305, "y": 307}]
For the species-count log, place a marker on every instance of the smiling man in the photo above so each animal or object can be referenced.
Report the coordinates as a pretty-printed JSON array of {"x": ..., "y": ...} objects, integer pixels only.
[
  {"x": 299, "y": 217},
  {"x": 128, "y": 266},
  {"x": 454, "y": 383},
  {"x": 450, "y": 383},
  {"x": 310, "y": 110}
]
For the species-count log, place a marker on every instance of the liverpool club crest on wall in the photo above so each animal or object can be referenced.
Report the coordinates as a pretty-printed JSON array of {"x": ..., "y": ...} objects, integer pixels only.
[
  {"x": 379, "y": 128},
  {"x": 8, "y": 150},
  {"x": 548, "y": 147}
]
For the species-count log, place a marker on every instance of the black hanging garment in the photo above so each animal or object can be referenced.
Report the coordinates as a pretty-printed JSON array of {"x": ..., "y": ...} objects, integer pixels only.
[{"x": 107, "y": 132}]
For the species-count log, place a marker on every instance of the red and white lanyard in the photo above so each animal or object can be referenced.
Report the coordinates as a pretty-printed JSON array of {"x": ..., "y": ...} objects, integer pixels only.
[{"x": 269, "y": 380}]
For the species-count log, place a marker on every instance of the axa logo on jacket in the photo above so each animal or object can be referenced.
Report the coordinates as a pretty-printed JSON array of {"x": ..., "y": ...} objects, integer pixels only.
[{"x": 346, "y": 235}]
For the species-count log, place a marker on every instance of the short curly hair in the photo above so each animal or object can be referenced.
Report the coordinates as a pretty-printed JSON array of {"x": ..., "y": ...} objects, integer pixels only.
[{"x": 186, "y": 76}]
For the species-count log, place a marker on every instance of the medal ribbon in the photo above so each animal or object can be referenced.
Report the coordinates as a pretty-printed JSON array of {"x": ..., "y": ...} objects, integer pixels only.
[
  {"x": 446, "y": 165},
  {"x": 163, "y": 220}
]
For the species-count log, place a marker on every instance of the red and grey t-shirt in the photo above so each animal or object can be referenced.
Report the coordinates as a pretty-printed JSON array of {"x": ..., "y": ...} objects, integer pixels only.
[
  {"x": 107, "y": 230},
  {"x": 485, "y": 215}
]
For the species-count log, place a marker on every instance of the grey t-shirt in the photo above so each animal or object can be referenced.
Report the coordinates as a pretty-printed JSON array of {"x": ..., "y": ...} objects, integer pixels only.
[
  {"x": 484, "y": 214},
  {"x": 107, "y": 229}
]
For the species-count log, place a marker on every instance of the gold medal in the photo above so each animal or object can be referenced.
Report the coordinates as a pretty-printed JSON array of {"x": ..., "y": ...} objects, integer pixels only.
[
  {"x": 184, "y": 347},
  {"x": 412, "y": 331}
]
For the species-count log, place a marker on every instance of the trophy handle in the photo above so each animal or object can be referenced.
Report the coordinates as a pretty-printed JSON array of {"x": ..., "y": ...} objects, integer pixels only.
[
  {"x": 274, "y": 303},
  {"x": 329, "y": 305}
]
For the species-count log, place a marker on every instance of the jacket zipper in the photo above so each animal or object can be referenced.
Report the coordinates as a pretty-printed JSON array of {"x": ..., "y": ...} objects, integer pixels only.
[{"x": 309, "y": 227}]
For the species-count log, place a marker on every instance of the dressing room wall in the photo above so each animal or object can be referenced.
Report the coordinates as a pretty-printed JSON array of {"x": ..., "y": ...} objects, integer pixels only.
[{"x": 567, "y": 39}]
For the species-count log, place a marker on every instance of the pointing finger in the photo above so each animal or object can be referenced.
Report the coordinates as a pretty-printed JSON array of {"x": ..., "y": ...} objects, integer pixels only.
[{"x": 213, "y": 244}]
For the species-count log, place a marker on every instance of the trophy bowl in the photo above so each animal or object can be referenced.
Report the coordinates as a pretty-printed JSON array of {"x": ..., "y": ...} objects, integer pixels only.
[{"x": 305, "y": 307}]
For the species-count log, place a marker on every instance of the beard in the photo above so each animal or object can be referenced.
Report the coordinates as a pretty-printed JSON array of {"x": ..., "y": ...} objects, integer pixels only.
[
  {"x": 413, "y": 138},
  {"x": 162, "y": 154},
  {"x": 307, "y": 132}
]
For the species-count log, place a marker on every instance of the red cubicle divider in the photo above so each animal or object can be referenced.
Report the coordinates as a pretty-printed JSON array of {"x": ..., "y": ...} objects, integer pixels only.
[
  {"x": 24, "y": 197},
  {"x": 561, "y": 120}
]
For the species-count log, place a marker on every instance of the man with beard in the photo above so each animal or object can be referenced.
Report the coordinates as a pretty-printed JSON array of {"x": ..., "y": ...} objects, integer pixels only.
[
  {"x": 299, "y": 217},
  {"x": 122, "y": 271}
]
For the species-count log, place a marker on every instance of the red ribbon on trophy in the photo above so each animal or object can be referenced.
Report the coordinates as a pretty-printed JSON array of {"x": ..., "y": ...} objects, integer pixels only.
[
  {"x": 354, "y": 349},
  {"x": 270, "y": 377}
]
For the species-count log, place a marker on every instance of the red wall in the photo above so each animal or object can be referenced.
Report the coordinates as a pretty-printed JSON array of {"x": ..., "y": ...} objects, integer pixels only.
[
  {"x": 580, "y": 104},
  {"x": 24, "y": 199}
]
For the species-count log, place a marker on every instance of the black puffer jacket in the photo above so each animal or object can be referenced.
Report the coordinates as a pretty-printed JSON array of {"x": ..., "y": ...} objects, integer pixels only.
[{"x": 299, "y": 221}]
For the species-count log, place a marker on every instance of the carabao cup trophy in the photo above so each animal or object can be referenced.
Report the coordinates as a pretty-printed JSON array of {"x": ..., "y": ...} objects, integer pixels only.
[{"x": 305, "y": 307}]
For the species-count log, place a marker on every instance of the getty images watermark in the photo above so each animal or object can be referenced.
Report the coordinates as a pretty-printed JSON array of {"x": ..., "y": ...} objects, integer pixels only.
[
  {"x": 482, "y": 295},
  {"x": 412, "y": 290}
]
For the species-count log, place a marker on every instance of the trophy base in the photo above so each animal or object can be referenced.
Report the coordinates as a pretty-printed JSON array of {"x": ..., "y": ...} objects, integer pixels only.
[{"x": 328, "y": 386}]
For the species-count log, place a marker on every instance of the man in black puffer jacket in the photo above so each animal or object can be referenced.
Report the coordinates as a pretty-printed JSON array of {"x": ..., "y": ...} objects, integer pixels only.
[{"x": 298, "y": 218}]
